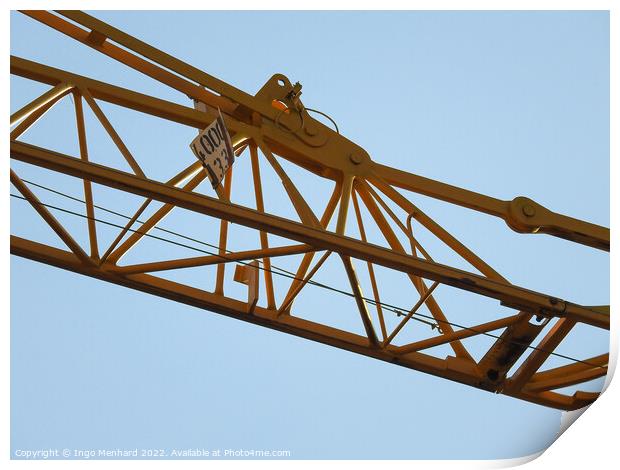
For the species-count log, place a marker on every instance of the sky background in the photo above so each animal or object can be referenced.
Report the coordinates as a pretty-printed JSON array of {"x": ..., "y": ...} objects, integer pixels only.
[{"x": 506, "y": 104}]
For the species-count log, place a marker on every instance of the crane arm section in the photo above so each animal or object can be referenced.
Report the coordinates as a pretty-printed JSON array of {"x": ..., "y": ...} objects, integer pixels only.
[
  {"x": 274, "y": 127},
  {"x": 521, "y": 214}
]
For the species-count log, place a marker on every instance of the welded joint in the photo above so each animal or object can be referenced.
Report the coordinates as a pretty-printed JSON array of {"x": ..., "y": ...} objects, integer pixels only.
[
  {"x": 463, "y": 366},
  {"x": 96, "y": 38}
]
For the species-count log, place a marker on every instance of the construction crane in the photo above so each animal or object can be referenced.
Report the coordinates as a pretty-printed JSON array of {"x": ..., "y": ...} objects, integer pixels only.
[{"x": 274, "y": 125}]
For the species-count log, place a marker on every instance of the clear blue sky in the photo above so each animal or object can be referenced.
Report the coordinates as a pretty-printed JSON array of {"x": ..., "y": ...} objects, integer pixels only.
[{"x": 507, "y": 104}]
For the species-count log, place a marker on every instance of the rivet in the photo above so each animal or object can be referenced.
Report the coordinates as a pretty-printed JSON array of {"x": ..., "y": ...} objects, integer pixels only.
[
  {"x": 529, "y": 210},
  {"x": 310, "y": 130},
  {"x": 355, "y": 158}
]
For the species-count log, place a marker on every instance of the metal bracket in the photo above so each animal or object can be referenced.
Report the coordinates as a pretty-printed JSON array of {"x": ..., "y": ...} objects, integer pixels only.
[{"x": 248, "y": 274}]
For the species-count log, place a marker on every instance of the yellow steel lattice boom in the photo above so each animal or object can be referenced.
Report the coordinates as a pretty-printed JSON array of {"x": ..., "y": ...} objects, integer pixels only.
[{"x": 276, "y": 124}]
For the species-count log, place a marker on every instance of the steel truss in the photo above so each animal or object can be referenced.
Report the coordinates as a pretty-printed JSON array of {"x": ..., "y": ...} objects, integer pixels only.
[{"x": 272, "y": 125}]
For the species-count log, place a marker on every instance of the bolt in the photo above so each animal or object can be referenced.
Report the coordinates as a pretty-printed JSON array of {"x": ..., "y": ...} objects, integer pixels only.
[
  {"x": 355, "y": 158},
  {"x": 529, "y": 210},
  {"x": 310, "y": 130}
]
